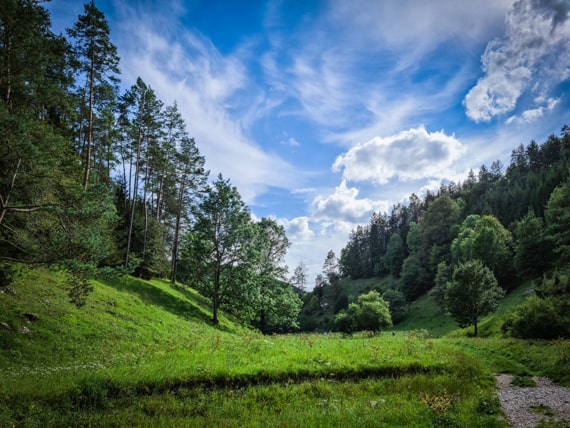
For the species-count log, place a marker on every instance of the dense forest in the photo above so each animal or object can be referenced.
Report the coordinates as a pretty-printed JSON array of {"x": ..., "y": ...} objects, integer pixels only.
[
  {"x": 514, "y": 221},
  {"x": 96, "y": 181}
]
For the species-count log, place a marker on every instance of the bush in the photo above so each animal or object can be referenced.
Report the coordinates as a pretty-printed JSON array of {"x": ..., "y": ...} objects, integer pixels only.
[
  {"x": 545, "y": 315},
  {"x": 370, "y": 313},
  {"x": 539, "y": 319}
]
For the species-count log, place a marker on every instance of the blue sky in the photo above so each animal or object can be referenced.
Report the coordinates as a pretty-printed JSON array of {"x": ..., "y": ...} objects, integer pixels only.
[{"x": 322, "y": 112}]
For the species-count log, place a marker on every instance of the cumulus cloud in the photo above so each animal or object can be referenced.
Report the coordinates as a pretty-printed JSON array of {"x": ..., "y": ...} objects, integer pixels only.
[
  {"x": 344, "y": 205},
  {"x": 531, "y": 115},
  {"x": 533, "y": 56},
  {"x": 298, "y": 229},
  {"x": 409, "y": 155}
]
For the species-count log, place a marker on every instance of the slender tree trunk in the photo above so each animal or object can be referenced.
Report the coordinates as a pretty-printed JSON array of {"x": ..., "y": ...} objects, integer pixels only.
[
  {"x": 145, "y": 205},
  {"x": 90, "y": 121},
  {"x": 4, "y": 202},
  {"x": 134, "y": 200},
  {"x": 174, "y": 265},
  {"x": 159, "y": 197},
  {"x": 216, "y": 296},
  {"x": 8, "y": 69}
]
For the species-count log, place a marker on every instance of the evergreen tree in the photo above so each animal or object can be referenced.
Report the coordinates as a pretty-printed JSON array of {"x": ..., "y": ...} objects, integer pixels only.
[
  {"x": 141, "y": 126},
  {"x": 395, "y": 255},
  {"x": 299, "y": 278},
  {"x": 98, "y": 61},
  {"x": 533, "y": 250},
  {"x": 558, "y": 222},
  {"x": 189, "y": 178}
]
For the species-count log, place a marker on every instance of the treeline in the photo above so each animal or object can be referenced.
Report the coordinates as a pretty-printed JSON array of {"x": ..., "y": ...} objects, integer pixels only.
[
  {"x": 516, "y": 222},
  {"x": 97, "y": 181}
]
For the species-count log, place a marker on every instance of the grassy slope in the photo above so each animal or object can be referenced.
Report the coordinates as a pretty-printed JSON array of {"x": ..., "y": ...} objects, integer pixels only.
[
  {"x": 425, "y": 314},
  {"x": 122, "y": 314},
  {"x": 144, "y": 353}
]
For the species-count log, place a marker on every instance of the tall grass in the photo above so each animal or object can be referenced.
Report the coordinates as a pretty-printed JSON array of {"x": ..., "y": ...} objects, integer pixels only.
[
  {"x": 249, "y": 380},
  {"x": 145, "y": 354}
]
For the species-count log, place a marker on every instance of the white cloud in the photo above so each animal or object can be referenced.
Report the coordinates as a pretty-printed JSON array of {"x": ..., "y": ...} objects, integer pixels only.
[
  {"x": 303, "y": 190},
  {"x": 415, "y": 27},
  {"x": 290, "y": 142},
  {"x": 213, "y": 93},
  {"x": 298, "y": 229},
  {"x": 533, "y": 55},
  {"x": 344, "y": 205},
  {"x": 410, "y": 155},
  {"x": 531, "y": 115}
]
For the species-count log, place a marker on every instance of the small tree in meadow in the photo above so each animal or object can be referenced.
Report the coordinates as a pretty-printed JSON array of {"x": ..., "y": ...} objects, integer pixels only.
[
  {"x": 370, "y": 312},
  {"x": 472, "y": 293}
]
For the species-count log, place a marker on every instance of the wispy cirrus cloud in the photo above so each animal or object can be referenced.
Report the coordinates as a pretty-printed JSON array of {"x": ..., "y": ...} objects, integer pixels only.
[
  {"x": 213, "y": 91},
  {"x": 532, "y": 57}
]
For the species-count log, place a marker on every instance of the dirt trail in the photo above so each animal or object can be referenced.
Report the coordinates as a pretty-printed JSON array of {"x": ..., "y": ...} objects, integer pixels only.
[{"x": 526, "y": 406}]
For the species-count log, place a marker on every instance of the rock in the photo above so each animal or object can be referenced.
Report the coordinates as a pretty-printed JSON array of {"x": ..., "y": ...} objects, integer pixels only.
[
  {"x": 5, "y": 326},
  {"x": 30, "y": 317},
  {"x": 111, "y": 303},
  {"x": 25, "y": 330}
]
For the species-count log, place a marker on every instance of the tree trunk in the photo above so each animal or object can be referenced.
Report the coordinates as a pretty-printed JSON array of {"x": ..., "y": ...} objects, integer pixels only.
[
  {"x": 216, "y": 296},
  {"x": 133, "y": 200},
  {"x": 4, "y": 202},
  {"x": 176, "y": 236},
  {"x": 90, "y": 121}
]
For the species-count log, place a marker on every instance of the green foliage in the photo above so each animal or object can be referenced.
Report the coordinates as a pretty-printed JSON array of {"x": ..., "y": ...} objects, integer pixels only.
[
  {"x": 395, "y": 255},
  {"x": 485, "y": 239},
  {"x": 533, "y": 250},
  {"x": 472, "y": 293},
  {"x": 436, "y": 228},
  {"x": 546, "y": 314},
  {"x": 369, "y": 313},
  {"x": 443, "y": 276},
  {"x": 558, "y": 222},
  {"x": 279, "y": 308},
  {"x": 344, "y": 322},
  {"x": 397, "y": 304},
  {"x": 414, "y": 280}
]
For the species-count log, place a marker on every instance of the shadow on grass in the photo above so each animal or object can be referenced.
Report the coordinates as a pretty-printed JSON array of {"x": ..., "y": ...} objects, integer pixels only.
[{"x": 152, "y": 295}]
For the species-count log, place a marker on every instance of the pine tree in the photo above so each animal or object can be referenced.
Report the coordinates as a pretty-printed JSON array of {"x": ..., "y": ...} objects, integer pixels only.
[{"x": 98, "y": 61}]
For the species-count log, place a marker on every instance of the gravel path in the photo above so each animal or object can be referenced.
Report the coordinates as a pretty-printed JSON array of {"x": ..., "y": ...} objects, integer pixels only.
[{"x": 526, "y": 406}]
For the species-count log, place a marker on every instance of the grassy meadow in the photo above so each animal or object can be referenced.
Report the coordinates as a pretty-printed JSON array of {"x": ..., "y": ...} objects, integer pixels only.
[{"x": 143, "y": 353}]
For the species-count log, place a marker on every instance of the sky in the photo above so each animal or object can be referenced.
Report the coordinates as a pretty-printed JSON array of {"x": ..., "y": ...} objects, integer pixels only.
[{"x": 324, "y": 112}]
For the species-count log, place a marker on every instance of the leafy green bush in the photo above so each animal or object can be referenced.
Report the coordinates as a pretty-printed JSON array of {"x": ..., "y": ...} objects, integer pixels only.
[{"x": 545, "y": 315}]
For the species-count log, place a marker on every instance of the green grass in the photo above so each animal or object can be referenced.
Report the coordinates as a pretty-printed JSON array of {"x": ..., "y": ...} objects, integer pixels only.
[
  {"x": 142, "y": 353},
  {"x": 426, "y": 314}
]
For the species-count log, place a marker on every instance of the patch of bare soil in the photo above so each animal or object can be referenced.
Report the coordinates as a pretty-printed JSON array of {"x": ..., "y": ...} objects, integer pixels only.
[{"x": 526, "y": 406}]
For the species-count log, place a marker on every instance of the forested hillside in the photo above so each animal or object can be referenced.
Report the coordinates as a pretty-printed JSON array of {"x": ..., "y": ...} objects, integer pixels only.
[
  {"x": 515, "y": 221},
  {"x": 98, "y": 181}
]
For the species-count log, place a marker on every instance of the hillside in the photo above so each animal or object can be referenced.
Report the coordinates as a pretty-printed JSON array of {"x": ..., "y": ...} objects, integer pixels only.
[
  {"x": 425, "y": 314},
  {"x": 142, "y": 353},
  {"x": 126, "y": 314}
]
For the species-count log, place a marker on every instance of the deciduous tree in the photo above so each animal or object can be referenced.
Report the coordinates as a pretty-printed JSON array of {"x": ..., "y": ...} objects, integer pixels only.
[{"x": 472, "y": 293}]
